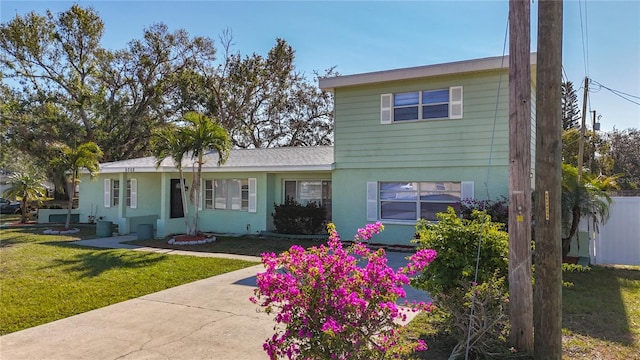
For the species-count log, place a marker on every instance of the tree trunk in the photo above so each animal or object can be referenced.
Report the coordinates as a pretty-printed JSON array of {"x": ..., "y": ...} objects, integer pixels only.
[
  {"x": 195, "y": 187},
  {"x": 575, "y": 221},
  {"x": 25, "y": 204},
  {"x": 185, "y": 208},
  {"x": 70, "y": 191}
]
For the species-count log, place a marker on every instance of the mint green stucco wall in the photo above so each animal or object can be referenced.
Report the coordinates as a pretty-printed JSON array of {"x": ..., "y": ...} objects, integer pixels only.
[
  {"x": 466, "y": 149},
  {"x": 234, "y": 221},
  {"x": 350, "y": 198},
  {"x": 154, "y": 202},
  {"x": 91, "y": 199}
]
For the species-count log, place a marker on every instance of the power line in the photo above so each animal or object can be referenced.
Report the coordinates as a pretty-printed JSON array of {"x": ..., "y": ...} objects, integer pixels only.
[
  {"x": 586, "y": 33},
  {"x": 585, "y": 40},
  {"x": 621, "y": 94},
  {"x": 618, "y": 91}
]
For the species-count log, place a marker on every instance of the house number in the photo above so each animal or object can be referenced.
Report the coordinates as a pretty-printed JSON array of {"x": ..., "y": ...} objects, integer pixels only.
[{"x": 129, "y": 170}]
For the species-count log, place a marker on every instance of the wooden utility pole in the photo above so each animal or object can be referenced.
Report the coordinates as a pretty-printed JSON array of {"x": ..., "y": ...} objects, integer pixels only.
[
  {"x": 548, "y": 274},
  {"x": 583, "y": 128},
  {"x": 520, "y": 288},
  {"x": 592, "y": 140}
]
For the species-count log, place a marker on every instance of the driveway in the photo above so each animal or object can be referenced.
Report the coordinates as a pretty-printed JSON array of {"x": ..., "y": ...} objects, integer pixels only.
[{"x": 206, "y": 319}]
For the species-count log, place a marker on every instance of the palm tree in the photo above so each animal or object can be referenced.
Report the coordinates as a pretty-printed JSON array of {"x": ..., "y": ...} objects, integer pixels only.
[
  {"x": 195, "y": 138},
  {"x": 203, "y": 135},
  {"x": 71, "y": 161},
  {"x": 580, "y": 199},
  {"x": 171, "y": 142},
  {"x": 28, "y": 186}
]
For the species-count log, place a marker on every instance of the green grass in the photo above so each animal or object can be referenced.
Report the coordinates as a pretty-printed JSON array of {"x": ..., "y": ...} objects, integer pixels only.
[
  {"x": 44, "y": 278},
  {"x": 244, "y": 245},
  {"x": 600, "y": 317},
  {"x": 601, "y": 314},
  {"x": 9, "y": 218}
]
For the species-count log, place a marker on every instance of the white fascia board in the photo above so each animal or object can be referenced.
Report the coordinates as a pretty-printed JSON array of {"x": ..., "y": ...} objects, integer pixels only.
[
  {"x": 458, "y": 67},
  {"x": 271, "y": 169}
]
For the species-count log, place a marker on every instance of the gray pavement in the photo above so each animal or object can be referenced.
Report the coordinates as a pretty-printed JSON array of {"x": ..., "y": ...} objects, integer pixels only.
[{"x": 206, "y": 319}]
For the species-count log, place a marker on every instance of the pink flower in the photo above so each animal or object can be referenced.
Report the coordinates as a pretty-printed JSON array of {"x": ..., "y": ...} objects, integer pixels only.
[{"x": 324, "y": 290}]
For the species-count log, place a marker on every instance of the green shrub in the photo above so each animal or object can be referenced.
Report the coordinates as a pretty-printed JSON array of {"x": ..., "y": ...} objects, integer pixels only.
[
  {"x": 292, "y": 217},
  {"x": 497, "y": 209},
  {"x": 456, "y": 241},
  {"x": 450, "y": 278}
]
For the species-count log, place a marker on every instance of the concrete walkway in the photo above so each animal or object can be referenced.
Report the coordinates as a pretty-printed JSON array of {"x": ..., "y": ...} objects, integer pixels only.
[{"x": 206, "y": 319}]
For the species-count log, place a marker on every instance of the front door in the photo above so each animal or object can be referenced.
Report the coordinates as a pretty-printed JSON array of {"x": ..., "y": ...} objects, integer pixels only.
[{"x": 176, "y": 200}]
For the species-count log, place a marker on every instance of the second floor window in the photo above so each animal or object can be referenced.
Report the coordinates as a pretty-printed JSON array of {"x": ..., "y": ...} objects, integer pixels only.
[{"x": 421, "y": 105}]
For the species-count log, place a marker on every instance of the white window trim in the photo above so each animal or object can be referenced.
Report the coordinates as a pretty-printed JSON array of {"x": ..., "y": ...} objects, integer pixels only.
[{"x": 455, "y": 106}]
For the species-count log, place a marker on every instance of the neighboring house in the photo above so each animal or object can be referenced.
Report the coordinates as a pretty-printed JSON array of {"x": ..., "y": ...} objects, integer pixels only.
[
  {"x": 408, "y": 143},
  {"x": 238, "y": 197}
]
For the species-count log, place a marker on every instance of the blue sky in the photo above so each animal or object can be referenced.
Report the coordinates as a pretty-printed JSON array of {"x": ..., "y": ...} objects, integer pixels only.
[{"x": 363, "y": 36}]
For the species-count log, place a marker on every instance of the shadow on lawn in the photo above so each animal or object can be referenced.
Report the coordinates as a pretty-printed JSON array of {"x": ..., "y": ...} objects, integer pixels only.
[
  {"x": 594, "y": 306},
  {"x": 94, "y": 263},
  {"x": 244, "y": 245}
]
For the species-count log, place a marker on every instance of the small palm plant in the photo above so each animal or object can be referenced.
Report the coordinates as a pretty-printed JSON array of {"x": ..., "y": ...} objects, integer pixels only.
[
  {"x": 203, "y": 136},
  {"x": 196, "y": 136},
  {"x": 588, "y": 197},
  {"x": 28, "y": 186},
  {"x": 170, "y": 142},
  {"x": 71, "y": 161}
]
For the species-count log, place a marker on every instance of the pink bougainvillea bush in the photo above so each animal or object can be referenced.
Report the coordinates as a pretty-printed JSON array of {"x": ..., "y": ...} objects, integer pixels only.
[{"x": 332, "y": 302}]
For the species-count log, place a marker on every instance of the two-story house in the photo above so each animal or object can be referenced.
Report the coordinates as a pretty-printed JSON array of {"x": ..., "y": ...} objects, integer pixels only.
[{"x": 408, "y": 143}]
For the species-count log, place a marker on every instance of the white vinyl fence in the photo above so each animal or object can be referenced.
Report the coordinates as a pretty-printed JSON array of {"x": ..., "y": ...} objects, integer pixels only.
[{"x": 618, "y": 240}]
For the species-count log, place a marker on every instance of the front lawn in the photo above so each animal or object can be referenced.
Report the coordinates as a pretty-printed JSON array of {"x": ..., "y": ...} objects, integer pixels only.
[
  {"x": 44, "y": 278},
  {"x": 600, "y": 317}
]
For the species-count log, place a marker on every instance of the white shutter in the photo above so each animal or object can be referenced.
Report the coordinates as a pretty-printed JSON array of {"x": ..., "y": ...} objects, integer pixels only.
[
  {"x": 134, "y": 193},
  {"x": 107, "y": 193},
  {"x": 386, "y": 108},
  {"x": 466, "y": 190},
  {"x": 252, "y": 195},
  {"x": 372, "y": 201},
  {"x": 455, "y": 102}
]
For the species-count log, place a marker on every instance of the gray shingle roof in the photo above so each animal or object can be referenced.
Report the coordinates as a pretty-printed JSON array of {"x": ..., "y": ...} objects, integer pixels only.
[{"x": 273, "y": 159}]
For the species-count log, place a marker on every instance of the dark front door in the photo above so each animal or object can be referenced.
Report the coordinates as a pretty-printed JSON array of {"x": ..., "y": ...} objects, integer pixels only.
[{"x": 176, "y": 200}]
